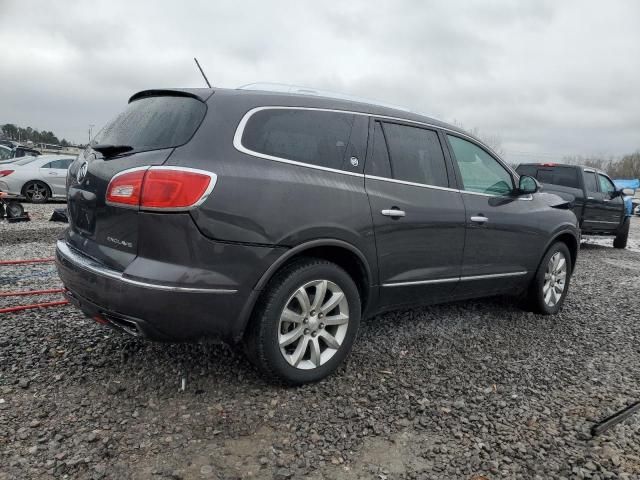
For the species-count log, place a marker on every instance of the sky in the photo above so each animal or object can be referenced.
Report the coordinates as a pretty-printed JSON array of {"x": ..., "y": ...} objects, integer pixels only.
[{"x": 547, "y": 78}]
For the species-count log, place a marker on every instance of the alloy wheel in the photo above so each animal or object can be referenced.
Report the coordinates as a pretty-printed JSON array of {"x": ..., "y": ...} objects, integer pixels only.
[
  {"x": 36, "y": 192},
  {"x": 555, "y": 279},
  {"x": 313, "y": 324}
]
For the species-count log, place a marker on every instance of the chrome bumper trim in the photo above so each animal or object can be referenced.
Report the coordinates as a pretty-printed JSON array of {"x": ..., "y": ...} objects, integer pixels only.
[{"x": 85, "y": 263}]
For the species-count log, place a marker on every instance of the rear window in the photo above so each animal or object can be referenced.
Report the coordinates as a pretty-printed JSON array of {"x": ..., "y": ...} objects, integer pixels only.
[
  {"x": 154, "y": 123},
  {"x": 564, "y": 176},
  {"x": 308, "y": 136}
]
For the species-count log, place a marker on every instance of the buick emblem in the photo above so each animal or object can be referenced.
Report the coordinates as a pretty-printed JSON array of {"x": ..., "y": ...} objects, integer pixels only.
[{"x": 82, "y": 172}]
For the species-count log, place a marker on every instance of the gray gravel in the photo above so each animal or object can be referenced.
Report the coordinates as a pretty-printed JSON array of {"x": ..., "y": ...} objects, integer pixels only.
[{"x": 470, "y": 390}]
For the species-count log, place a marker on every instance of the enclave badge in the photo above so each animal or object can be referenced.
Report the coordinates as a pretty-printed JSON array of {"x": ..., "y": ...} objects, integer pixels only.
[{"x": 82, "y": 172}]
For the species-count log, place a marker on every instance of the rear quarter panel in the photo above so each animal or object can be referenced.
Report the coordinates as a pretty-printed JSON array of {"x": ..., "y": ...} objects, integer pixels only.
[{"x": 266, "y": 202}]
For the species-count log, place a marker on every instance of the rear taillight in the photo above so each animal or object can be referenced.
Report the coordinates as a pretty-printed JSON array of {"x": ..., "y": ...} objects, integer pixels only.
[
  {"x": 125, "y": 188},
  {"x": 4, "y": 173},
  {"x": 160, "y": 188}
]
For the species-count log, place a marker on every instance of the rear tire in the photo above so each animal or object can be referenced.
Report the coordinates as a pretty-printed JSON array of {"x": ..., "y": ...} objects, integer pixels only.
[
  {"x": 549, "y": 287},
  {"x": 305, "y": 324},
  {"x": 36, "y": 192},
  {"x": 621, "y": 239}
]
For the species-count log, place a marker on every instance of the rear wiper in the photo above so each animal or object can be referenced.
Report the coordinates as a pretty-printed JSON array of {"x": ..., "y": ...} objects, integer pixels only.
[{"x": 109, "y": 150}]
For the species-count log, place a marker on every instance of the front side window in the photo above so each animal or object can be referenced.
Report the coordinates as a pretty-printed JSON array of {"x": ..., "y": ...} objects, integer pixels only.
[
  {"x": 606, "y": 186},
  {"x": 416, "y": 155},
  {"x": 5, "y": 154},
  {"x": 480, "y": 172},
  {"x": 309, "y": 136},
  {"x": 590, "y": 182}
]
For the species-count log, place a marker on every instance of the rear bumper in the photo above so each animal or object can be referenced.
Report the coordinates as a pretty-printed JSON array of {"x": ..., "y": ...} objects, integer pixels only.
[{"x": 164, "y": 312}]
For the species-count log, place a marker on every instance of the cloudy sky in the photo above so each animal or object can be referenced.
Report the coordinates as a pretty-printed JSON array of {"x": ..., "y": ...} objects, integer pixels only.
[{"x": 550, "y": 78}]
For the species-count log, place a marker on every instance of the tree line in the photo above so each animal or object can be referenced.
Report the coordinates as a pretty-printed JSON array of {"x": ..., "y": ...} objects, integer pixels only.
[
  {"x": 626, "y": 167},
  {"x": 13, "y": 132}
]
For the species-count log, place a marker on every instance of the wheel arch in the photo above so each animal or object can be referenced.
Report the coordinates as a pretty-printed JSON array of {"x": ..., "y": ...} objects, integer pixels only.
[
  {"x": 570, "y": 239},
  {"x": 342, "y": 253}
]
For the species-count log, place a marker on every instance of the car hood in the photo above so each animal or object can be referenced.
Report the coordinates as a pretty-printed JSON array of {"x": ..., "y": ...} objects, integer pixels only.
[{"x": 556, "y": 201}]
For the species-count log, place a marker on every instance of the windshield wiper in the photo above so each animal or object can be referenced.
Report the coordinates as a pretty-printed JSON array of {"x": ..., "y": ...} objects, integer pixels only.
[{"x": 109, "y": 150}]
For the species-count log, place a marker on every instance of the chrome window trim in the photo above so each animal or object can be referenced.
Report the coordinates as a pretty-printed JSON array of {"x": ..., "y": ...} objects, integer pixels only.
[
  {"x": 237, "y": 138},
  {"x": 88, "y": 264},
  {"x": 414, "y": 184},
  {"x": 456, "y": 279}
]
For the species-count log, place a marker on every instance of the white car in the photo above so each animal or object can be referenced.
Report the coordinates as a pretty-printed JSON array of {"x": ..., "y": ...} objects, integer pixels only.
[{"x": 36, "y": 178}]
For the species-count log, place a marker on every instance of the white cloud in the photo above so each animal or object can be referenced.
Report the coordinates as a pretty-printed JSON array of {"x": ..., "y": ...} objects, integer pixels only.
[{"x": 550, "y": 77}]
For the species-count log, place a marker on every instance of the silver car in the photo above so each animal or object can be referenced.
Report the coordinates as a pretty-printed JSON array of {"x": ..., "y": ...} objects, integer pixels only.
[{"x": 36, "y": 178}]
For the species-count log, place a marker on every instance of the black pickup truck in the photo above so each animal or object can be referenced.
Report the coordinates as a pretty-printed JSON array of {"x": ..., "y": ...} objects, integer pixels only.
[{"x": 595, "y": 200}]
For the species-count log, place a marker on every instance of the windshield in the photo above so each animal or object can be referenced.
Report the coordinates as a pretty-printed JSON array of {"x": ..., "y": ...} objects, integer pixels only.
[{"x": 154, "y": 123}]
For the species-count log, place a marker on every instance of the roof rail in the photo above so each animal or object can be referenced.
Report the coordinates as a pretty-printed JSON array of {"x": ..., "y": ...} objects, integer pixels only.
[{"x": 300, "y": 90}]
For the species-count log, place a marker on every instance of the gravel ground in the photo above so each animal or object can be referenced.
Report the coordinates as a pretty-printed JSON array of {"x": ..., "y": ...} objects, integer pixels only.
[{"x": 470, "y": 390}]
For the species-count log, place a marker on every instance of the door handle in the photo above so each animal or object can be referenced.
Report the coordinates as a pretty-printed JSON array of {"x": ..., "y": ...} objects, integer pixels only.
[
  {"x": 479, "y": 219},
  {"x": 393, "y": 212}
]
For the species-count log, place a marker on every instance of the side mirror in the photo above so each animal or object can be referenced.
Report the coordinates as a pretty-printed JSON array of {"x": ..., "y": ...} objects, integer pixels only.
[
  {"x": 528, "y": 185},
  {"x": 629, "y": 192}
]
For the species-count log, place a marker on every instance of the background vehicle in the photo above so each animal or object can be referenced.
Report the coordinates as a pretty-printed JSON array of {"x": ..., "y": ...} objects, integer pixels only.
[
  {"x": 9, "y": 155},
  {"x": 36, "y": 178},
  {"x": 596, "y": 201},
  {"x": 279, "y": 220}
]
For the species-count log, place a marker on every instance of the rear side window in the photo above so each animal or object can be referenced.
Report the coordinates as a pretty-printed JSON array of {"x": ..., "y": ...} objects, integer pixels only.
[
  {"x": 564, "y": 176},
  {"x": 308, "y": 136},
  {"x": 590, "y": 182},
  {"x": 153, "y": 123},
  {"x": 416, "y": 155}
]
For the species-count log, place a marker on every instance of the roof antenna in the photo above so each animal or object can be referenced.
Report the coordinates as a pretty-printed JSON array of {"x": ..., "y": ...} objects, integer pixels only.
[{"x": 201, "y": 71}]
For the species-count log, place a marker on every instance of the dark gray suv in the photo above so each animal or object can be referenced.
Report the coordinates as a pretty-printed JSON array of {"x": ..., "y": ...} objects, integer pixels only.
[{"x": 281, "y": 220}]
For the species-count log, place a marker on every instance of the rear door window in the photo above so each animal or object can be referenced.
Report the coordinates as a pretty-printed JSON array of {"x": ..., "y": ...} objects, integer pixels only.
[
  {"x": 416, "y": 155},
  {"x": 309, "y": 136},
  {"x": 590, "y": 182},
  {"x": 378, "y": 163},
  {"x": 153, "y": 123}
]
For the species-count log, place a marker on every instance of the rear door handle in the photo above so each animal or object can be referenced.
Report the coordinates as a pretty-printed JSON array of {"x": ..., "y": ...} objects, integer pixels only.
[
  {"x": 479, "y": 219},
  {"x": 393, "y": 212}
]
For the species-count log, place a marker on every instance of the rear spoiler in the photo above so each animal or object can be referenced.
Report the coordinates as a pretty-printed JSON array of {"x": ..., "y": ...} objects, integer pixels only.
[{"x": 201, "y": 94}]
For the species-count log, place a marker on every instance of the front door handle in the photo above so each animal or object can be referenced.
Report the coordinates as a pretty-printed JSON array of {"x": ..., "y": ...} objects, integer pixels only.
[
  {"x": 479, "y": 219},
  {"x": 393, "y": 212}
]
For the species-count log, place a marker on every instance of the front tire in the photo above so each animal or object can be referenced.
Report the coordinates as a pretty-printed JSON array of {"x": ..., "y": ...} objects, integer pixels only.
[
  {"x": 549, "y": 287},
  {"x": 305, "y": 324},
  {"x": 621, "y": 239},
  {"x": 36, "y": 192}
]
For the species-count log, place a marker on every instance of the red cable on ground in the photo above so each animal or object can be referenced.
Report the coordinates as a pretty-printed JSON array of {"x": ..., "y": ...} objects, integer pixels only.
[
  {"x": 32, "y": 260},
  {"x": 31, "y": 292},
  {"x": 34, "y": 305}
]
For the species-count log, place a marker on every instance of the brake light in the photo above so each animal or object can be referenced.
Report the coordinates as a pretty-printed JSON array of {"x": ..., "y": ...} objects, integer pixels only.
[
  {"x": 126, "y": 187},
  {"x": 548, "y": 164},
  {"x": 4, "y": 173},
  {"x": 160, "y": 188}
]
